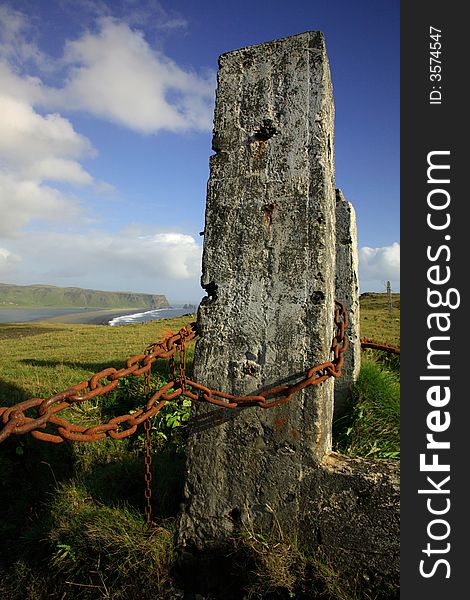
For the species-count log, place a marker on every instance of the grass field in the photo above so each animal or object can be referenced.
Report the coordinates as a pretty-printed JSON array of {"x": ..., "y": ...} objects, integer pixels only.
[
  {"x": 42, "y": 359},
  {"x": 371, "y": 427},
  {"x": 377, "y": 321},
  {"x": 72, "y": 522}
]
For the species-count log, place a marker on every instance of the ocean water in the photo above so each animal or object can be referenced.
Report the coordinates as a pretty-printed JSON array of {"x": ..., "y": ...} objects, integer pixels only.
[
  {"x": 150, "y": 315},
  {"x": 24, "y": 315}
]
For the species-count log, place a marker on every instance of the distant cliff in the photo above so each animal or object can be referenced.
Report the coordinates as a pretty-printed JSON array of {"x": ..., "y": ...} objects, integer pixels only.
[{"x": 73, "y": 297}]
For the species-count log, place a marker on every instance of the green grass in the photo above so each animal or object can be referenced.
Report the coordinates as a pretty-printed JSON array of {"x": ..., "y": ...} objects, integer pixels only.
[
  {"x": 85, "y": 549},
  {"x": 41, "y": 359},
  {"x": 372, "y": 426},
  {"x": 274, "y": 566},
  {"x": 72, "y": 297},
  {"x": 72, "y": 514},
  {"x": 279, "y": 570},
  {"x": 377, "y": 322}
]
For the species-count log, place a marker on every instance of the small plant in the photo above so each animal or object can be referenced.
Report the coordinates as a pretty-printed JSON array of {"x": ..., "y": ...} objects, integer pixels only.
[
  {"x": 63, "y": 554},
  {"x": 167, "y": 428},
  {"x": 275, "y": 562},
  {"x": 168, "y": 422}
]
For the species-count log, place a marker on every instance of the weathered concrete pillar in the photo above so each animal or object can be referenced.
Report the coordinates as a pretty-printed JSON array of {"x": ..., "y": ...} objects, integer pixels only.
[
  {"x": 269, "y": 271},
  {"x": 270, "y": 274},
  {"x": 347, "y": 292}
]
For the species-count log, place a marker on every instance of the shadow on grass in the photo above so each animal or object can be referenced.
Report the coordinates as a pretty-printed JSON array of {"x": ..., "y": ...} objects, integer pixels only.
[
  {"x": 11, "y": 394},
  {"x": 159, "y": 367},
  {"x": 110, "y": 472},
  {"x": 30, "y": 470},
  {"x": 122, "y": 483}
]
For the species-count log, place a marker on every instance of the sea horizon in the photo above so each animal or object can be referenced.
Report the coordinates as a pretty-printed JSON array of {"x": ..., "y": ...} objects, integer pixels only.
[{"x": 112, "y": 317}]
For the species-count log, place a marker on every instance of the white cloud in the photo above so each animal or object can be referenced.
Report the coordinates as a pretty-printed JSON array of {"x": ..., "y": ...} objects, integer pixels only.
[
  {"x": 169, "y": 260},
  {"x": 35, "y": 149},
  {"x": 8, "y": 262},
  {"x": 18, "y": 44},
  {"x": 379, "y": 265},
  {"x": 149, "y": 14},
  {"x": 24, "y": 200},
  {"x": 115, "y": 75},
  {"x": 23, "y": 88},
  {"x": 60, "y": 169},
  {"x": 170, "y": 255},
  {"x": 112, "y": 73},
  {"x": 26, "y": 136}
]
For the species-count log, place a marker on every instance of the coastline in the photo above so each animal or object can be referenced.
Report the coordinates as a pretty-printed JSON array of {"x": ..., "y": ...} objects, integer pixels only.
[
  {"x": 94, "y": 317},
  {"x": 89, "y": 316}
]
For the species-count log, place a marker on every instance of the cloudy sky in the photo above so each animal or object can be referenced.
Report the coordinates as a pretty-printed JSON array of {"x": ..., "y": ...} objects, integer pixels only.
[{"x": 105, "y": 133}]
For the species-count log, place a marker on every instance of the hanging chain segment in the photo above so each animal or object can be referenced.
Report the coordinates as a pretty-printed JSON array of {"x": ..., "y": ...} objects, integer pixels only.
[
  {"x": 148, "y": 509},
  {"x": 148, "y": 458}
]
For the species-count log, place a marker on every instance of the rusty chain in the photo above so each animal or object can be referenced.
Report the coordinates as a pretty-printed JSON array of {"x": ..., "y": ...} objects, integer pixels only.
[
  {"x": 376, "y": 345},
  {"x": 148, "y": 458},
  {"x": 283, "y": 393},
  {"x": 16, "y": 422}
]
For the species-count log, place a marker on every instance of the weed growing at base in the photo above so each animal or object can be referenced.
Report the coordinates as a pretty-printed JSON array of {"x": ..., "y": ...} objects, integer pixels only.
[
  {"x": 371, "y": 428},
  {"x": 274, "y": 566}
]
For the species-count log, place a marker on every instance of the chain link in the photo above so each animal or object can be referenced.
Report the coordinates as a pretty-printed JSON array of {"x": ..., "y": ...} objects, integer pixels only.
[
  {"x": 376, "y": 345},
  {"x": 16, "y": 422}
]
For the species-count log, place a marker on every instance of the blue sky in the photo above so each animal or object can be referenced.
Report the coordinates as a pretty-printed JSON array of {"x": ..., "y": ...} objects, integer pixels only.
[{"x": 105, "y": 133}]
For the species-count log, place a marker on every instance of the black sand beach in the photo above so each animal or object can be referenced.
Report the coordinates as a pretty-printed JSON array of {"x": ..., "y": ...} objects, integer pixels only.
[{"x": 94, "y": 317}]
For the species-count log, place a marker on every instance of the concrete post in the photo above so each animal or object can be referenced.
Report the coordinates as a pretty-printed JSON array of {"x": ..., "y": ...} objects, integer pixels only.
[
  {"x": 269, "y": 271},
  {"x": 347, "y": 292},
  {"x": 270, "y": 274}
]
